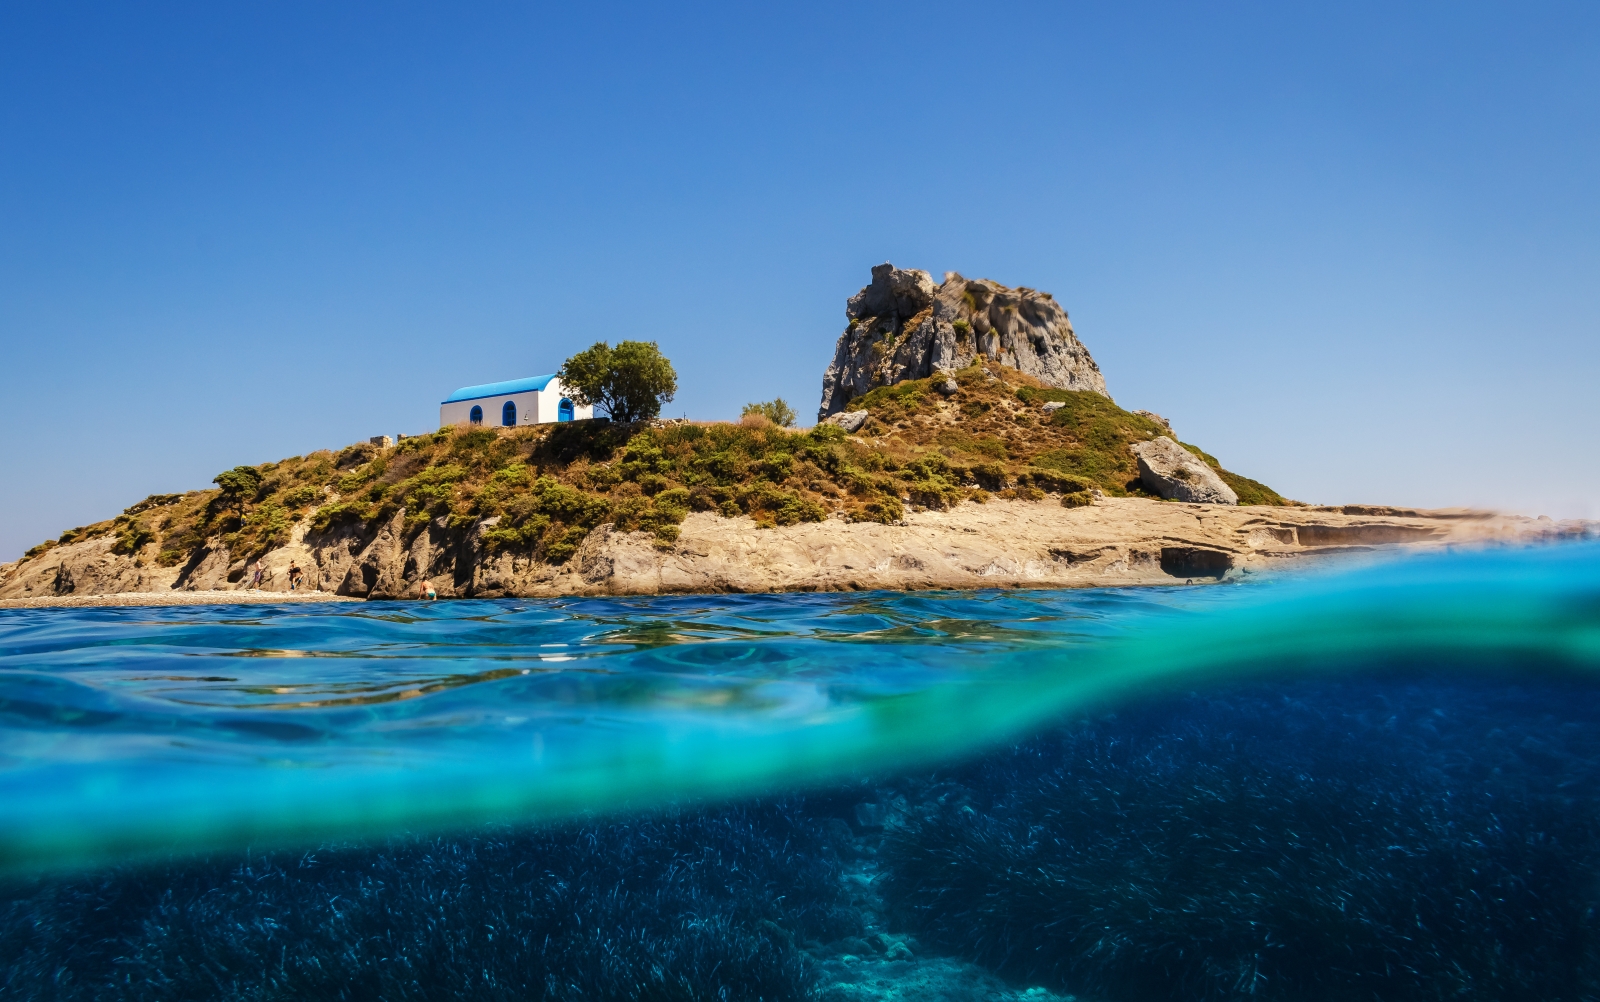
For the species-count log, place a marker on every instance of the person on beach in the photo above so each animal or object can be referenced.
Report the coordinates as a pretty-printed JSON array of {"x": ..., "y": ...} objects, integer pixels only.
[
  {"x": 255, "y": 575},
  {"x": 294, "y": 576},
  {"x": 425, "y": 591}
]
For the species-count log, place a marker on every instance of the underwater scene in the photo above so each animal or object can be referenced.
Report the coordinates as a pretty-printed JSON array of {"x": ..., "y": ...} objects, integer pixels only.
[{"x": 1378, "y": 783}]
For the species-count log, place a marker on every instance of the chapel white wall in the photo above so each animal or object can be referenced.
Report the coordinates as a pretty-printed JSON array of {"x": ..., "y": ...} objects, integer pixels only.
[
  {"x": 460, "y": 411},
  {"x": 533, "y": 407}
]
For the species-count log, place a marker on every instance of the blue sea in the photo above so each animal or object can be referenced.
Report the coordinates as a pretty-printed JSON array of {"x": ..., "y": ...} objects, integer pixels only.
[{"x": 1376, "y": 783}]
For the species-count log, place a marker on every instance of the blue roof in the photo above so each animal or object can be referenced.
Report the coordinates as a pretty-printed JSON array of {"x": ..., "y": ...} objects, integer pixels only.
[{"x": 499, "y": 389}]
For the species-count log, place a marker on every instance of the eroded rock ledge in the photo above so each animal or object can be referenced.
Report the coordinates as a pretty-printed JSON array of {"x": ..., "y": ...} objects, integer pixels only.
[{"x": 1002, "y": 544}]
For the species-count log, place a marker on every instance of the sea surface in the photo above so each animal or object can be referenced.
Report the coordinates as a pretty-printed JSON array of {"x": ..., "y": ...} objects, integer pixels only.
[{"x": 1375, "y": 783}]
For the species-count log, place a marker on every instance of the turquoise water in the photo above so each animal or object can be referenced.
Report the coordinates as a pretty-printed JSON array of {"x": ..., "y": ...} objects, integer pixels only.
[{"x": 903, "y": 768}]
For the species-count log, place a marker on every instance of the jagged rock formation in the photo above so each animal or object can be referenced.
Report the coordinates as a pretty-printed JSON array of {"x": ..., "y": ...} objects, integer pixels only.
[
  {"x": 1168, "y": 469},
  {"x": 902, "y": 326}
]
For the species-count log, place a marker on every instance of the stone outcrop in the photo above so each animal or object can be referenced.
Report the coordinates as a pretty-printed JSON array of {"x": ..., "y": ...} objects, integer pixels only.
[
  {"x": 848, "y": 420},
  {"x": 1174, "y": 472},
  {"x": 1001, "y": 544},
  {"x": 1157, "y": 418},
  {"x": 903, "y": 326}
]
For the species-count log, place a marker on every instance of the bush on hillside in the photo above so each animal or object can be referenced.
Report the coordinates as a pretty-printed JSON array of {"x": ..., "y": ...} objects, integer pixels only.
[{"x": 777, "y": 411}]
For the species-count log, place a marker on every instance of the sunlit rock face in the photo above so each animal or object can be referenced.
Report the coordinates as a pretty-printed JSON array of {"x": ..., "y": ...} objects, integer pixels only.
[
  {"x": 1175, "y": 473},
  {"x": 903, "y": 326}
]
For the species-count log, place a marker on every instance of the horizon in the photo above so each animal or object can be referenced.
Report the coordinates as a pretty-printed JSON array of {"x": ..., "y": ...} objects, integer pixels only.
[{"x": 1349, "y": 252}]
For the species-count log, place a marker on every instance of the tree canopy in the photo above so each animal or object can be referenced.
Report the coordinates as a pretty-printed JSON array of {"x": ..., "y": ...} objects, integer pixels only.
[
  {"x": 238, "y": 484},
  {"x": 630, "y": 382}
]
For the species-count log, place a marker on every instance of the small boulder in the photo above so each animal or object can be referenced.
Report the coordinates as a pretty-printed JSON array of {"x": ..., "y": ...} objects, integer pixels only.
[
  {"x": 948, "y": 387},
  {"x": 1174, "y": 472},
  {"x": 1157, "y": 418},
  {"x": 850, "y": 421},
  {"x": 1052, "y": 406}
]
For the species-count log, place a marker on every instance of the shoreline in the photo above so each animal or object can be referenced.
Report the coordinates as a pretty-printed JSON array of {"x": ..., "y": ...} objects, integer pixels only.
[
  {"x": 1004, "y": 544},
  {"x": 157, "y": 598}
]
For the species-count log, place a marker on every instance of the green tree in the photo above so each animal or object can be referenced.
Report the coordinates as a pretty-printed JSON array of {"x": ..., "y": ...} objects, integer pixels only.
[
  {"x": 238, "y": 484},
  {"x": 630, "y": 381},
  {"x": 777, "y": 411}
]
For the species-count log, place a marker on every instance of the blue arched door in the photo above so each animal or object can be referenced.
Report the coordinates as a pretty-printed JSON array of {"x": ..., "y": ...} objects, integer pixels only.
[
  {"x": 476, "y": 417},
  {"x": 508, "y": 414},
  {"x": 564, "y": 412}
]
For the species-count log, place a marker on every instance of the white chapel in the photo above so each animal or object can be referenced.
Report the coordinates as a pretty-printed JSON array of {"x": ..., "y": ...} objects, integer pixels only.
[{"x": 513, "y": 403}]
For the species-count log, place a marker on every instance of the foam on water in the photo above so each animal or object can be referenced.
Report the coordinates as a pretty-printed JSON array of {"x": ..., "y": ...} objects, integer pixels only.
[{"x": 130, "y": 732}]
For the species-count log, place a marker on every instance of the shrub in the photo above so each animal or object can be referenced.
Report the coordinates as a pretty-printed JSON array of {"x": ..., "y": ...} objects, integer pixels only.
[
  {"x": 1050, "y": 480},
  {"x": 777, "y": 411},
  {"x": 153, "y": 501},
  {"x": 133, "y": 536},
  {"x": 354, "y": 455},
  {"x": 885, "y": 509},
  {"x": 565, "y": 543},
  {"x": 338, "y": 513},
  {"x": 299, "y": 497},
  {"x": 990, "y": 476},
  {"x": 43, "y": 547},
  {"x": 269, "y": 523}
]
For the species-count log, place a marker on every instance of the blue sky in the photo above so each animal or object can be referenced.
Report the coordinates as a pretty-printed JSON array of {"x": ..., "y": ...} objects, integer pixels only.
[{"x": 1349, "y": 249}]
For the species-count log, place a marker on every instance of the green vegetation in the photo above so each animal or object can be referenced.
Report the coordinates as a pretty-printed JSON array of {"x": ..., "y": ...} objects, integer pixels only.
[
  {"x": 1249, "y": 491},
  {"x": 630, "y": 382},
  {"x": 1102, "y": 434},
  {"x": 777, "y": 411},
  {"x": 539, "y": 491},
  {"x": 43, "y": 547}
]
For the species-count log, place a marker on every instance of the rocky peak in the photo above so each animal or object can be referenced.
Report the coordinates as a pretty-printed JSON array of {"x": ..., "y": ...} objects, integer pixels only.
[
  {"x": 894, "y": 292},
  {"x": 902, "y": 326}
]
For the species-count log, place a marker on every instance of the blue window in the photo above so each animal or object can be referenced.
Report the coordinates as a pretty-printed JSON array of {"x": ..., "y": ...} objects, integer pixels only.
[
  {"x": 476, "y": 417},
  {"x": 508, "y": 414},
  {"x": 564, "y": 412}
]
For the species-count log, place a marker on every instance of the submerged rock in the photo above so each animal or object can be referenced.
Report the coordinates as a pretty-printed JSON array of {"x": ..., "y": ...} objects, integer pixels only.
[
  {"x": 1178, "y": 474},
  {"x": 902, "y": 326}
]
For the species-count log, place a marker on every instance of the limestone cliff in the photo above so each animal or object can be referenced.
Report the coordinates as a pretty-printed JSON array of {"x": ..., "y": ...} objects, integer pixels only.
[
  {"x": 902, "y": 326},
  {"x": 1000, "y": 544}
]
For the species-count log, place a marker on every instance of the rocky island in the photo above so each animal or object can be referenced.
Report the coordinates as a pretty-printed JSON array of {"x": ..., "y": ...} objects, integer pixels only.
[{"x": 966, "y": 439}]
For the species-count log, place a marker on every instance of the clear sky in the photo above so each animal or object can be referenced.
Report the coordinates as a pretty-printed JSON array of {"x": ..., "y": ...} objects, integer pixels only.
[{"x": 1349, "y": 249}]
